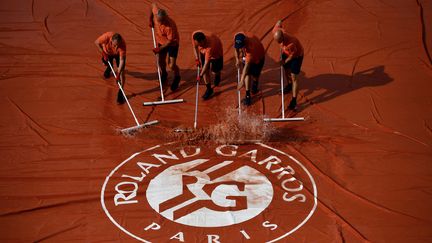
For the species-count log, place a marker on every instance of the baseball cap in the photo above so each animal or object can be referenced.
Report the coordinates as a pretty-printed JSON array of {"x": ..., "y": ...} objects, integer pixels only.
[{"x": 239, "y": 41}]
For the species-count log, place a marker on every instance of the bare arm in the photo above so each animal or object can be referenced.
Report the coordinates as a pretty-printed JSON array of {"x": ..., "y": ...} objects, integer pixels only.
[
  {"x": 151, "y": 15},
  {"x": 205, "y": 67},
  {"x": 243, "y": 76},
  {"x": 292, "y": 49},
  {"x": 121, "y": 65},
  {"x": 99, "y": 46},
  {"x": 195, "y": 49},
  {"x": 237, "y": 58},
  {"x": 120, "y": 71},
  {"x": 245, "y": 70},
  {"x": 289, "y": 58}
]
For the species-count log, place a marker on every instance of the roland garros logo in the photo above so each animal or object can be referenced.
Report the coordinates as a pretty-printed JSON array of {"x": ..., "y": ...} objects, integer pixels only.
[{"x": 227, "y": 193}]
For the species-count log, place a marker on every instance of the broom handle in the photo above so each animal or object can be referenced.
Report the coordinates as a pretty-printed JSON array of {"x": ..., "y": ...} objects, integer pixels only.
[
  {"x": 238, "y": 91},
  {"x": 197, "y": 90},
  {"x": 157, "y": 64},
  {"x": 196, "y": 99},
  {"x": 124, "y": 95},
  {"x": 282, "y": 83}
]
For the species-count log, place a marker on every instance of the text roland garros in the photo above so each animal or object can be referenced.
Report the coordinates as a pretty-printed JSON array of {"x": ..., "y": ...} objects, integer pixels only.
[{"x": 225, "y": 193}]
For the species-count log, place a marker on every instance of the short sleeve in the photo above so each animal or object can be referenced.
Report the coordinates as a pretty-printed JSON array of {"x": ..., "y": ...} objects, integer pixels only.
[{"x": 103, "y": 39}]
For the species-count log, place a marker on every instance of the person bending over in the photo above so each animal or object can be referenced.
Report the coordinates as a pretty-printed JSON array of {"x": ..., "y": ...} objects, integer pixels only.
[
  {"x": 210, "y": 50},
  {"x": 167, "y": 43},
  {"x": 113, "y": 47},
  {"x": 249, "y": 48},
  {"x": 291, "y": 58}
]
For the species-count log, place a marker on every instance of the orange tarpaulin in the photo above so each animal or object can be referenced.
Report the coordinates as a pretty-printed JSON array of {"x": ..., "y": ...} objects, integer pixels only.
[{"x": 365, "y": 90}]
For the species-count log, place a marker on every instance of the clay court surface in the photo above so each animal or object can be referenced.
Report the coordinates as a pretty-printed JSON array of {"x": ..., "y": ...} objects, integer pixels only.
[{"x": 365, "y": 91}]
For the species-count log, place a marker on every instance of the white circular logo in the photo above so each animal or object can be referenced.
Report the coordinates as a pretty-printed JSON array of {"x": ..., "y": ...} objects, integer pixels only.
[{"x": 226, "y": 193}]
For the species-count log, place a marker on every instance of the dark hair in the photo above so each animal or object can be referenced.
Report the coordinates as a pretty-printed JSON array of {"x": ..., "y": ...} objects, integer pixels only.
[
  {"x": 117, "y": 37},
  {"x": 199, "y": 36},
  {"x": 162, "y": 13}
]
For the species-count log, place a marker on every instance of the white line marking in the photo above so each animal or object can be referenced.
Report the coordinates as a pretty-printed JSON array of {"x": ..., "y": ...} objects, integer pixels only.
[{"x": 314, "y": 190}]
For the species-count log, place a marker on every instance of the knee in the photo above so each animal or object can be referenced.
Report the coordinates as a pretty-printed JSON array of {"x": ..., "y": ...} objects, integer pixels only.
[{"x": 172, "y": 65}]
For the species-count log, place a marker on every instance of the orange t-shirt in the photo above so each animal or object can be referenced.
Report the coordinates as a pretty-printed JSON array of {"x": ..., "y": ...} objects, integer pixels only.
[
  {"x": 165, "y": 31},
  {"x": 254, "y": 50},
  {"x": 108, "y": 47},
  {"x": 290, "y": 45},
  {"x": 213, "y": 48}
]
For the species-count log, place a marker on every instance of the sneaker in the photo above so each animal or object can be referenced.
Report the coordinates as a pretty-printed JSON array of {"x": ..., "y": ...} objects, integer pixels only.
[
  {"x": 255, "y": 87},
  {"x": 247, "y": 101},
  {"x": 120, "y": 98},
  {"x": 217, "y": 79},
  {"x": 288, "y": 88},
  {"x": 292, "y": 105},
  {"x": 208, "y": 93},
  {"x": 175, "y": 83},
  {"x": 107, "y": 72},
  {"x": 164, "y": 77}
]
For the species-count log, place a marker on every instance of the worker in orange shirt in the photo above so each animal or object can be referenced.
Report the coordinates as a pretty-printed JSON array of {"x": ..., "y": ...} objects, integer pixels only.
[
  {"x": 291, "y": 59},
  {"x": 249, "y": 48},
  {"x": 113, "y": 47},
  {"x": 167, "y": 43},
  {"x": 210, "y": 50}
]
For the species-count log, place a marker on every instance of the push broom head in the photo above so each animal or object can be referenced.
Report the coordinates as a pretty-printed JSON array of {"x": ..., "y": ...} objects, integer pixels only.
[
  {"x": 183, "y": 130},
  {"x": 284, "y": 119},
  {"x": 134, "y": 129},
  {"x": 163, "y": 102}
]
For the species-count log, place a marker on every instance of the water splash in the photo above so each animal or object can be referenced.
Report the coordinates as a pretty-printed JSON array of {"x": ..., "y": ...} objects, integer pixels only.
[{"x": 230, "y": 129}]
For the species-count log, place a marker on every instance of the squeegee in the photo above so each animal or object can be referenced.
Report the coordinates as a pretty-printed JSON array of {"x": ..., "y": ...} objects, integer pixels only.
[
  {"x": 138, "y": 125},
  {"x": 162, "y": 101}
]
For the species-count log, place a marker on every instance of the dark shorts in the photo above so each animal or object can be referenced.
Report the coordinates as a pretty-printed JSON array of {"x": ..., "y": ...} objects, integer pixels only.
[
  {"x": 294, "y": 65},
  {"x": 172, "y": 51},
  {"x": 216, "y": 65},
  {"x": 256, "y": 68},
  {"x": 112, "y": 58}
]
